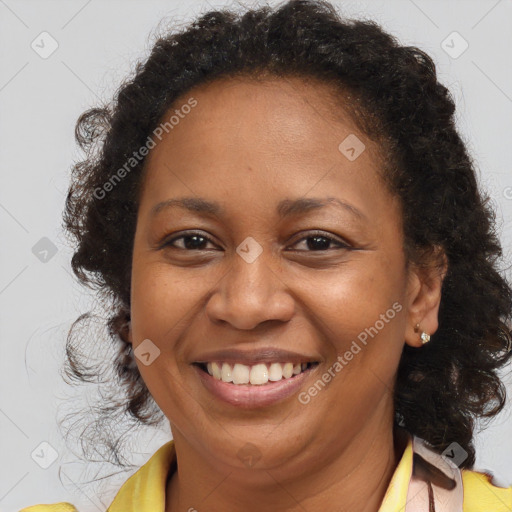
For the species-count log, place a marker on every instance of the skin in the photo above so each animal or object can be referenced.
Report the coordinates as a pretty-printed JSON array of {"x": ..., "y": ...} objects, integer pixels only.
[{"x": 249, "y": 145}]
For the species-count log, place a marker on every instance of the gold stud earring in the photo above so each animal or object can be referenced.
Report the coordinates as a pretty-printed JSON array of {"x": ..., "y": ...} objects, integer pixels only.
[{"x": 425, "y": 337}]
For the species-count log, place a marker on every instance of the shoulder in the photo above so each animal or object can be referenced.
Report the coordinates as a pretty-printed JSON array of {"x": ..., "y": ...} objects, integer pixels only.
[
  {"x": 143, "y": 491},
  {"x": 482, "y": 495},
  {"x": 55, "y": 507}
]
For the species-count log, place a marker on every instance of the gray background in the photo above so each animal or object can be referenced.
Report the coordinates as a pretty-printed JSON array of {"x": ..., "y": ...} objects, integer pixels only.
[{"x": 40, "y": 100}]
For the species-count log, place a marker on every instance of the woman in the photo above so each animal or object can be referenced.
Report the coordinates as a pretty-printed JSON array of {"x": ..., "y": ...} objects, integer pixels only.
[{"x": 302, "y": 270}]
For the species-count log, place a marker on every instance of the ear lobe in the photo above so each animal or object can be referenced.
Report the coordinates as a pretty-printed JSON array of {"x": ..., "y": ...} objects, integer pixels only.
[
  {"x": 425, "y": 292},
  {"x": 120, "y": 325},
  {"x": 125, "y": 331}
]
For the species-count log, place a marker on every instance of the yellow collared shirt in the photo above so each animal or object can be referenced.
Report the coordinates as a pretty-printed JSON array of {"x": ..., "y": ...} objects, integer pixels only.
[{"x": 145, "y": 490}]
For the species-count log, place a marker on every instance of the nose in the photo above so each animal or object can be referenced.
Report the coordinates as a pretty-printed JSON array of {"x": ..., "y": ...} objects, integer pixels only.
[{"x": 250, "y": 294}]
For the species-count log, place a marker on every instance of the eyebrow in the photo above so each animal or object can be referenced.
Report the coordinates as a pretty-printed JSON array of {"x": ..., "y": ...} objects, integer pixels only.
[{"x": 285, "y": 208}]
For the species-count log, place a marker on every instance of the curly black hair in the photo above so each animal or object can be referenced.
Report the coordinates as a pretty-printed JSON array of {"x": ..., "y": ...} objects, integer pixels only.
[{"x": 396, "y": 100}]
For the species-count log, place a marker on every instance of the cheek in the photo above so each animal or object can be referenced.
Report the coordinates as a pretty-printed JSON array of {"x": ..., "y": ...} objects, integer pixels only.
[
  {"x": 360, "y": 313},
  {"x": 161, "y": 305},
  {"x": 160, "y": 300},
  {"x": 352, "y": 299}
]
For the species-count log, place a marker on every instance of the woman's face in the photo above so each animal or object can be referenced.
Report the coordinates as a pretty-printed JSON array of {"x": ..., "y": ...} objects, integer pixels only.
[{"x": 287, "y": 241}]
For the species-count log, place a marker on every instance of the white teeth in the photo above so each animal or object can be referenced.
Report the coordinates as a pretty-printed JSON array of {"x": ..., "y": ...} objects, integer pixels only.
[
  {"x": 287, "y": 370},
  {"x": 216, "y": 372},
  {"x": 240, "y": 374},
  {"x": 226, "y": 373},
  {"x": 258, "y": 374},
  {"x": 275, "y": 372}
]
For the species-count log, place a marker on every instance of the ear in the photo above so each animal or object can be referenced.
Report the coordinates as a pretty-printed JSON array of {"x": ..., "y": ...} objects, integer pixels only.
[
  {"x": 424, "y": 297},
  {"x": 125, "y": 330}
]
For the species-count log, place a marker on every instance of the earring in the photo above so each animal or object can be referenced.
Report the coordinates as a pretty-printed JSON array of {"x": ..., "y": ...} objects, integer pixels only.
[{"x": 425, "y": 338}]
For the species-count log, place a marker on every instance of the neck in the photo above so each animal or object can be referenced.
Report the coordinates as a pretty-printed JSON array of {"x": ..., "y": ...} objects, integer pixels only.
[{"x": 357, "y": 478}]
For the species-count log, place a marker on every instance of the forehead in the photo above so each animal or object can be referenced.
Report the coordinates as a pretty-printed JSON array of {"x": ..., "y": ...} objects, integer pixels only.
[
  {"x": 249, "y": 120},
  {"x": 257, "y": 139},
  {"x": 279, "y": 110}
]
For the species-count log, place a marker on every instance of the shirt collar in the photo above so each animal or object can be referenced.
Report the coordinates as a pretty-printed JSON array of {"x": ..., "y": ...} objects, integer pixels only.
[
  {"x": 145, "y": 490},
  {"x": 396, "y": 493}
]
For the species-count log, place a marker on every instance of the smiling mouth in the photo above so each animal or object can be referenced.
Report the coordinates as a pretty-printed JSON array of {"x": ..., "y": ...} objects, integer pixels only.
[{"x": 257, "y": 375}]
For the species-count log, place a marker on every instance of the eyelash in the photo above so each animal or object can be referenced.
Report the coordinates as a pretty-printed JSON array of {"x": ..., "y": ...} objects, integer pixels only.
[{"x": 341, "y": 245}]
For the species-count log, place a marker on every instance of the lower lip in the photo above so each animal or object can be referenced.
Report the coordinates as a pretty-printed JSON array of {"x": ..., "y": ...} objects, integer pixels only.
[{"x": 249, "y": 396}]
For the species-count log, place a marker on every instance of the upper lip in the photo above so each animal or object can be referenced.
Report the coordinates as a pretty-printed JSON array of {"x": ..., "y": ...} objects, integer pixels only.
[{"x": 261, "y": 355}]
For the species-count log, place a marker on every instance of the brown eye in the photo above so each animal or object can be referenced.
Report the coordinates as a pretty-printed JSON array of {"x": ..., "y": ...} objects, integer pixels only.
[
  {"x": 321, "y": 242},
  {"x": 191, "y": 241}
]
